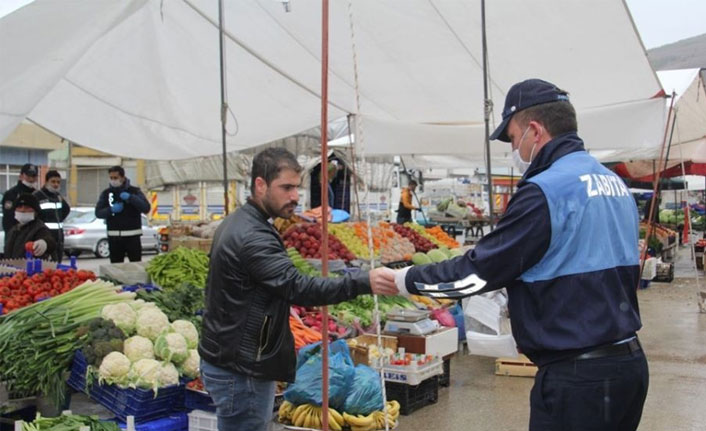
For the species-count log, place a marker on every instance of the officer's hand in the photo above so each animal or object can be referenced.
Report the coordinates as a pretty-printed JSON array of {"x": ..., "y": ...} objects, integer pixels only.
[
  {"x": 116, "y": 208},
  {"x": 39, "y": 248},
  {"x": 125, "y": 196},
  {"x": 382, "y": 281}
]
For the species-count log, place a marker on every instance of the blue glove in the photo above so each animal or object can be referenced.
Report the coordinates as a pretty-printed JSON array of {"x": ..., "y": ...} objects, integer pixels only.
[
  {"x": 116, "y": 208},
  {"x": 125, "y": 196}
]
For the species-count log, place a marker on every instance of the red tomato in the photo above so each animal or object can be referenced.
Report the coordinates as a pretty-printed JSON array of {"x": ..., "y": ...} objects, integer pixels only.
[{"x": 29, "y": 246}]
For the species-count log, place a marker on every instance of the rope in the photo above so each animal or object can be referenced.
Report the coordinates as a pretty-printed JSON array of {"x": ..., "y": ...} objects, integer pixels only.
[{"x": 359, "y": 138}]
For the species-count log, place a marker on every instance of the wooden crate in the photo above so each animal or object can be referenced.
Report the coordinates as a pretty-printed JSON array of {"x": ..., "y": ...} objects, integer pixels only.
[
  {"x": 520, "y": 367},
  {"x": 203, "y": 244},
  {"x": 359, "y": 353}
]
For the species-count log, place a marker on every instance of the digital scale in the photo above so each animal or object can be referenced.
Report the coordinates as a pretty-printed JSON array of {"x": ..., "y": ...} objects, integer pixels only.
[{"x": 415, "y": 322}]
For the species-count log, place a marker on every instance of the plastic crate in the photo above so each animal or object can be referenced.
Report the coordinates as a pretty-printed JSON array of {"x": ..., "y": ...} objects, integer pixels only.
[
  {"x": 136, "y": 287},
  {"x": 199, "y": 400},
  {"x": 143, "y": 404},
  {"x": 411, "y": 376},
  {"x": 445, "y": 379},
  {"x": 202, "y": 421},
  {"x": 413, "y": 397},
  {"x": 175, "y": 422}
]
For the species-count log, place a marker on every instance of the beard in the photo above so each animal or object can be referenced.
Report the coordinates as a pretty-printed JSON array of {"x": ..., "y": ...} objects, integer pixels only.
[{"x": 285, "y": 211}]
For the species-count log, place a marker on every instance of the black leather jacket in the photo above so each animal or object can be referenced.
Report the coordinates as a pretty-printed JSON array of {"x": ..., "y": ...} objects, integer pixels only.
[{"x": 251, "y": 284}]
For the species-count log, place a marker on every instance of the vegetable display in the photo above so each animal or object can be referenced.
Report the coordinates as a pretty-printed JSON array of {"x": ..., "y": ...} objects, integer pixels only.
[
  {"x": 302, "y": 334},
  {"x": 38, "y": 342},
  {"x": 306, "y": 238},
  {"x": 361, "y": 308},
  {"x": 69, "y": 423},
  {"x": 102, "y": 337},
  {"x": 420, "y": 243},
  {"x": 21, "y": 290},
  {"x": 181, "y": 302},
  {"x": 182, "y": 265}
]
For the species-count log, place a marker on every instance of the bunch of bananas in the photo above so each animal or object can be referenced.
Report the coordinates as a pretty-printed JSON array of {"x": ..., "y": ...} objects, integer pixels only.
[{"x": 310, "y": 416}]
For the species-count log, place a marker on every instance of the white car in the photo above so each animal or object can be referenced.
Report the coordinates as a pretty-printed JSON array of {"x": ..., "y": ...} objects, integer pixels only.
[{"x": 83, "y": 231}]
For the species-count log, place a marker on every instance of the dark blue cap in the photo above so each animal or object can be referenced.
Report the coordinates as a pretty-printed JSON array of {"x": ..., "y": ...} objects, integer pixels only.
[{"x": 523, "y": 95}]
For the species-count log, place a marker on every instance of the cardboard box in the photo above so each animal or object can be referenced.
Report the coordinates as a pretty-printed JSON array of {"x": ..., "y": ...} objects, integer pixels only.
[
  {"x": 203, "y": 244},
  {"x": 442, "y": 342},
  {"x": 360, "y": 351},
  {"x": 520, "y": 367}
]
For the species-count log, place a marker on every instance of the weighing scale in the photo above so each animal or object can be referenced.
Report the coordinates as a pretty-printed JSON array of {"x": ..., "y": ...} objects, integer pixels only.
[{"x": 415, "y": 322}]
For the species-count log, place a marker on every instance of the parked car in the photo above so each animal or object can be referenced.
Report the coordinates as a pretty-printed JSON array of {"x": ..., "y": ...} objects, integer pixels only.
[{"x": 83, "y": 231}]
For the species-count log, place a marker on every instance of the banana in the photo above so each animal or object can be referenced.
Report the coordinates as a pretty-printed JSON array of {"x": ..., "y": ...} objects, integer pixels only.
[
  {"x": 297, "y": 417},
  {"x": 308, "y": 419},
  {"x": 285, "y": 411},
  {"x": 333, "y": 423},
  {"x": 337, "y": 417}
]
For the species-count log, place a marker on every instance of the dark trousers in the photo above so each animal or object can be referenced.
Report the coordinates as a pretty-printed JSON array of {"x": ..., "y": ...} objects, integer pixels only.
[
  {"x": 603, "y": 394},
  {"x": 121, "y": 246}
]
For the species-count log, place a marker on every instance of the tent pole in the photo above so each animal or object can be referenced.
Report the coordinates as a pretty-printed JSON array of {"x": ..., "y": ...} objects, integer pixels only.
[
  {"x": 224, "y": 105},
  {"x": 355, "y": 171},
  {"x": 324, "y": 207},
  {"x": 650, "y": 223},
  {"x": 487, "y": 108}
]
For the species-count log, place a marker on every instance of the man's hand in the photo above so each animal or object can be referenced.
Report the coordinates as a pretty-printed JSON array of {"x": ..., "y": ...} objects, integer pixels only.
[
  {"x": 39, "y": 247},
  {"x": 125, "y": 196},
  {"x": 382, "y": 281}
]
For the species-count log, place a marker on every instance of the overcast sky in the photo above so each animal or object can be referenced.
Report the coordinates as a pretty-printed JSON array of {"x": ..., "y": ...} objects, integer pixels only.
[{"x": 659, "y": 22}]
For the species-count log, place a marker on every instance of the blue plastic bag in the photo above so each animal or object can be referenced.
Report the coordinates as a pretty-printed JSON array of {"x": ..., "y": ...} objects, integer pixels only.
[
  {"x": 308, "y": 382},
  {"x": 365, "y": 396}
]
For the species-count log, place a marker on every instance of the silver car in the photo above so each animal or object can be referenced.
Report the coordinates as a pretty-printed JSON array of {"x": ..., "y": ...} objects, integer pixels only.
[{"x": 83, "y": 231}]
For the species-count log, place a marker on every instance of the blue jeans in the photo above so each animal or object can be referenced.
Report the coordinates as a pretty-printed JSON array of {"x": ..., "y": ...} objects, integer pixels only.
[{"x": 243, "y": 403}]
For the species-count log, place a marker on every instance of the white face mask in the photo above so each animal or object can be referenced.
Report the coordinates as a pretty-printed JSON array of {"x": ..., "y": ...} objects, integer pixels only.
[
  {"x": 520, "y": 164},
  {"x": 23, "y": 218},
  {"x": 53, "y": 189},
  {"x": 30, "y": 185},
  {"x": 116, "y": 183}
]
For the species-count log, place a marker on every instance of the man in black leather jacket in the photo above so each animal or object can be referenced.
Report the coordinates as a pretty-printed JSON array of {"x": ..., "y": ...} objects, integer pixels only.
[{"x": 246, "y": 344}]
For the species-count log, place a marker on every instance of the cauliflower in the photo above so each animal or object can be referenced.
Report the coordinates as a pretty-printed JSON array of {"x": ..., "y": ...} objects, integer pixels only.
[
  {"x": 114, "y": 368},
  {"x": 188, "y": 330},
  {"x": 122, "y": 315},
  {"x": 171, "y": 346},
  {"x": 139, "y": 304},
  {"x": 151, "y": 321},
  {"x": 190, "y": 367},
  {"x": 145, "y": 374},
  {"x": 167, "y": 375},
  {"x": 138, "y": 347}
]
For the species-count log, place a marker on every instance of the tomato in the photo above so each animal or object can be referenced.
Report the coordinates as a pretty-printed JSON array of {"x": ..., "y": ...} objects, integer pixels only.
[
  {"x": 53, "y": 292},
  {"x": 29, "y": 246},
  {"x": 55, "y": 279}
]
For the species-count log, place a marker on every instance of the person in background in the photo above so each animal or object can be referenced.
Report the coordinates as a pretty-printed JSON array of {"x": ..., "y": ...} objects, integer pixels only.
[
  {"x": 566, "y": 250},
  {"x": 246, "y": 343},
  {"x": 404, "y": 211},
  {"x": 29, "y": 229},
  {"x": 121, "y": 205},
  {"x": 53, "y": 210},
  {"x": 27, "y": 183}
]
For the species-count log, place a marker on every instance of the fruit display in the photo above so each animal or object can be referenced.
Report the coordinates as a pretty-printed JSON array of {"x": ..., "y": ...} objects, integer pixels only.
[
  {"x": 423, "y": 232},
  {"x": 313, "y": 319},
  {"x": 21, "y": 290},
  {"x": 306, "y": 238},
  {"x": 309, "y": 416},
  {"x": 301, "y": 264},
  {"x": 420, "y": 243},
  {"x": 436, "y": 255},
  {"x": 441, "y": 237},
  {"x": 348, "y": 236},
  {"x": 382, "y": 234},
  {"x": 397, "y": 249}
]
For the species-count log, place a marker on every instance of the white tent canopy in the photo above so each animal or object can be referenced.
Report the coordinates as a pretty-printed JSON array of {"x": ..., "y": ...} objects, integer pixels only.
[
  {"x": 140, "y": 78},
  {"x": 689, "y": 141}
]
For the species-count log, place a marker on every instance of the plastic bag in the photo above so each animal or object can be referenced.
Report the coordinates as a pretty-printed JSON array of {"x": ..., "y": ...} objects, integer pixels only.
[
  {"x": 365, "y": 395},
  {"x": 444, "y": 317},
  {"x": 307, "y": 385}
]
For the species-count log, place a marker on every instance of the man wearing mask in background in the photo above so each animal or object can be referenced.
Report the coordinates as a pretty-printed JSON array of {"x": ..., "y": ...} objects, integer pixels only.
[
  {"x": 53, "y": 210},
  {"x": 27, "y": 183},
  {"x": 29, "y": 228},
  {"x": 566, "y": 250},
  {"x": 121, "y": 205}
]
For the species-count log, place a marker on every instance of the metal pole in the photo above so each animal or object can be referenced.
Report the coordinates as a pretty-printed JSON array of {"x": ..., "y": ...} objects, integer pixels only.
[
  {"x": 224, "y": 105},
  {"x": 487, "y": 107},
  {"x": 324, "y": 207}
]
